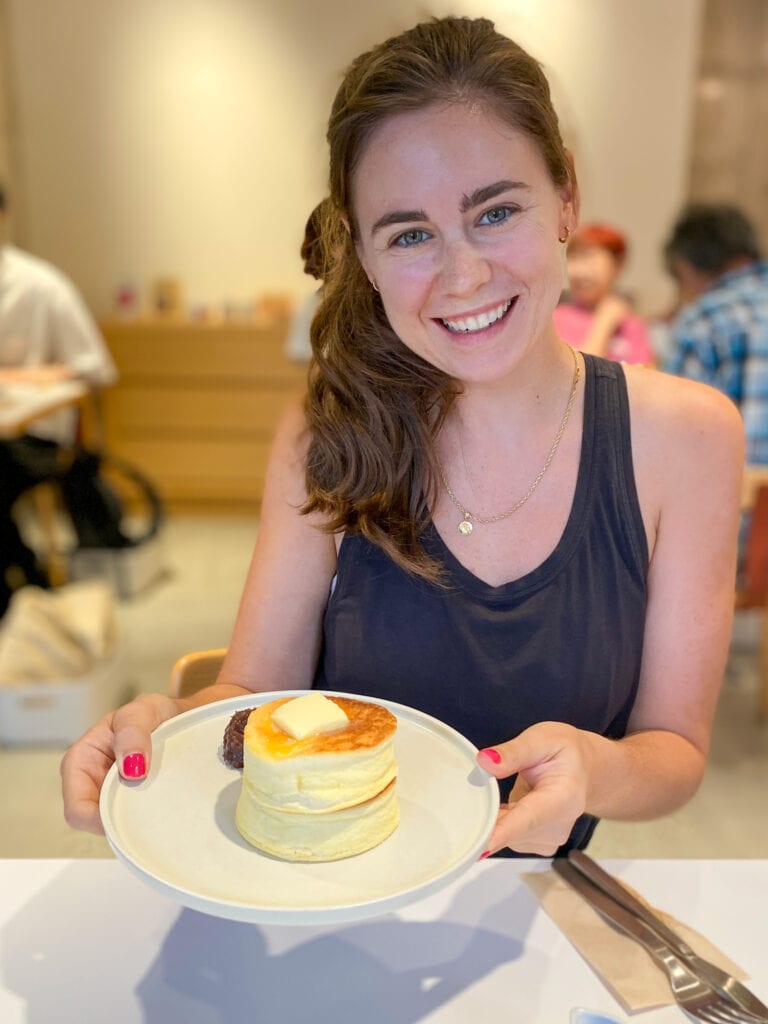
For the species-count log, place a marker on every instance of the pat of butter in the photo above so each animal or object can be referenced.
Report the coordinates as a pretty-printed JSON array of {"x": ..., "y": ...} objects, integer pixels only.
[{"x": 308, "y": 715}]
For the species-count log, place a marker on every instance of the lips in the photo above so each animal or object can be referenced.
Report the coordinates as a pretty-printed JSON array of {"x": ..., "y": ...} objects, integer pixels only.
[{"x": 479, "y": 321}]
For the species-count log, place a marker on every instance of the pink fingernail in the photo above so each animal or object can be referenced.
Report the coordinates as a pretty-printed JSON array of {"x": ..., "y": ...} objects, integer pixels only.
[
  {"x": 492, "y": 755},
  {"x": 134, "y": 766},
  {"x": 484, "y": 855}
]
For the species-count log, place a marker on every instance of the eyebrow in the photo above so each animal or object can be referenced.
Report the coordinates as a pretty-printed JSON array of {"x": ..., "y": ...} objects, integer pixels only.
[
  {"x": 468, "y": 202},
  {"x": 482, "y": 195},
  {"x": 398, "y": 217}
]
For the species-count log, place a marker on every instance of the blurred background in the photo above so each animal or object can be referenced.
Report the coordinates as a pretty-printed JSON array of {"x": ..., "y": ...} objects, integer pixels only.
[
  {"x": 187, "y": 138},
  {"x": 166, "y": 156}
]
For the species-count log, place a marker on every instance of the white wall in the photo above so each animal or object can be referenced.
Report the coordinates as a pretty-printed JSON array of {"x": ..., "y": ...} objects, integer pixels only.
[{"x": 186, "y": 137}]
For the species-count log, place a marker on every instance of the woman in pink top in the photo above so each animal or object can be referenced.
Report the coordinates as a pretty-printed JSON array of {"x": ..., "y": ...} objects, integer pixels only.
[{"x": 594, "y": 318}]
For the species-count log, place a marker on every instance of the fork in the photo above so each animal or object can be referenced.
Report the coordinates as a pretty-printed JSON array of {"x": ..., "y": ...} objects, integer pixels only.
[
  {"x": 698, "y": 999},
  {"x": 708, "y": 972}
]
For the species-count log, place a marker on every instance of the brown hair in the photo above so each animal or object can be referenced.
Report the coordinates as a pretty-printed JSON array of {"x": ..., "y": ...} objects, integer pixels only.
[
  {"x": 312, "y": 249},
  {"x": 374, "y": 407}
]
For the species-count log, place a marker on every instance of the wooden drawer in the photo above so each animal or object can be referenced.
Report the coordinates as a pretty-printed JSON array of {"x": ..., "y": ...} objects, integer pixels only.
[
  {"x": 196, "y": 406},
  {"x": 178, "y": 352},
  {"x": 231, "y": 472},
  {"x": 197, "y": 412}
]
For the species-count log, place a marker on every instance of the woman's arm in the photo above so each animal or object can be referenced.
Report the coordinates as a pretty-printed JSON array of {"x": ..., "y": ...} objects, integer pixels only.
[
  {"x": 688, "y": 451},
  {"x": 276, "y": 639},
  {"x": 278, "y": 629}
]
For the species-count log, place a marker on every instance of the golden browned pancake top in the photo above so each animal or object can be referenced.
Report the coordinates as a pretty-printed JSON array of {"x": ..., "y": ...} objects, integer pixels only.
[{"x": 368, "y": 726}]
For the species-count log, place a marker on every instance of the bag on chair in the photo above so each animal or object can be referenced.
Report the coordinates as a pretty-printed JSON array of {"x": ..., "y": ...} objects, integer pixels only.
[{"x": 97, "y": 510}]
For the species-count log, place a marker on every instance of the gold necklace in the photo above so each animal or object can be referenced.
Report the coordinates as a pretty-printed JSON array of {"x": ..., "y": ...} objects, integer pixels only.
[{"x": 466, "y": 526}]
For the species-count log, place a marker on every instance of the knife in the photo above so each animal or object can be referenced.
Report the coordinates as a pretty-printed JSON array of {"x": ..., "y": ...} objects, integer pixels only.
[
  {"x": 708, "y": 972},
  {"x": 690, "y": 992}
]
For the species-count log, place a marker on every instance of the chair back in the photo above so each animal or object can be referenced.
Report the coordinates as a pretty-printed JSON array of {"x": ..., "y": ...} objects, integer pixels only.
[
  {"x": 754, "y": 587},
  {"x": 194, "y": 671}
]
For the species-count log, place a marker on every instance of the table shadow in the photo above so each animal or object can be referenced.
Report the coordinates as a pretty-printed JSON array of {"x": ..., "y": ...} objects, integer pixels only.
[{"x": 77, "y": 961}]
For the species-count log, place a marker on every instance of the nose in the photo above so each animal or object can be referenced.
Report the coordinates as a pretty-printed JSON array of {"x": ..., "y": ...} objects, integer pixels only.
[{"x": 464, "y": 267}]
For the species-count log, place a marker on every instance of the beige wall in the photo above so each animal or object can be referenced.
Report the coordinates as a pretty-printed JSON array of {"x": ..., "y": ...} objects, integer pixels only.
[
  {"x": 729, "y": 158},
  {"x": 186, "y": 136},
  {"x": 6, "y": 126}
]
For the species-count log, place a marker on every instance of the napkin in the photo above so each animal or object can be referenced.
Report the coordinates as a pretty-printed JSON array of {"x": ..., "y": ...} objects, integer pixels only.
[{"x": 620, "y": 962}]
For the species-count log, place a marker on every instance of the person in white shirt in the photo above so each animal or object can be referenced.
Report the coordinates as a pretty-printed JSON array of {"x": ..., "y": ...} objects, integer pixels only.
[{"x": 46, "y": 333}]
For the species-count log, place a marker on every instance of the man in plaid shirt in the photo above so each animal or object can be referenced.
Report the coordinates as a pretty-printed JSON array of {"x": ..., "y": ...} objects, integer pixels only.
[{"x": 720, "y": 335}]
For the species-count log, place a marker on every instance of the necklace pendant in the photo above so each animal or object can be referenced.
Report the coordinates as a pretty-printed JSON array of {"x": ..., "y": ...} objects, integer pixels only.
[{"x": 466, "y": 527}]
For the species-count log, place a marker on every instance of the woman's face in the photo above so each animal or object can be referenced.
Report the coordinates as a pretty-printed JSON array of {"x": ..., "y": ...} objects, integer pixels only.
[
  {"x": 458, "y": 223},
  {"x": 592, "y": 272}
]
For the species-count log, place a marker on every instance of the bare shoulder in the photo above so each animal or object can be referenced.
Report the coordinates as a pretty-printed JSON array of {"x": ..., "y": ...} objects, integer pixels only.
[
  {"x": 677, "y": 418},
  {"x": 286, "y": 467},
  {"x": 291, "y": 434},
  {"x": 687, "y": 450},
  {"x": 285, "y": 486}
]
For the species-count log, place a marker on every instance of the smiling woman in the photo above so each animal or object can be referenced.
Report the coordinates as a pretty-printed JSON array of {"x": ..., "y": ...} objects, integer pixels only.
[{"x": 575, "y": 626}]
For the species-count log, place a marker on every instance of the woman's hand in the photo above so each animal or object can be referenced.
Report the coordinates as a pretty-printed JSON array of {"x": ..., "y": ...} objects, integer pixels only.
[
  {"x": 553, "y": 762},
  {"x": 122, "y": 736}
]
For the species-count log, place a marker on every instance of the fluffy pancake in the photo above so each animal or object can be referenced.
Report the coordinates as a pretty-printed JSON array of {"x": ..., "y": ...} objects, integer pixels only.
[
  {"x": 319, "y": 837},
  {"x": 323, "y": 772},
  {"x": 325, "y": 796},
  {"x": 369, "y": 725}
]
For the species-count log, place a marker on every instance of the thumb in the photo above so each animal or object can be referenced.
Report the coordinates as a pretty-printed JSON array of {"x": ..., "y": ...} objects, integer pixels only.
[
  {"x": 132, "y": 726},
  {"x": 532, "y": 748},
  {"x": 491, "y": 760}
]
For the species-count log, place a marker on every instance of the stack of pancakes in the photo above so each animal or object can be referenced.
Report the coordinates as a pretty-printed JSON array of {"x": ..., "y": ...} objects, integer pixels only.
[{"x": 326, "y": 796}]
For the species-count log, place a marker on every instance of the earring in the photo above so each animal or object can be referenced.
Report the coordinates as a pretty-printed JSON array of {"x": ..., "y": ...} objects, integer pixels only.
[
  {"x": 374, "y": 285},
  {"x": 564, "y": 238}
]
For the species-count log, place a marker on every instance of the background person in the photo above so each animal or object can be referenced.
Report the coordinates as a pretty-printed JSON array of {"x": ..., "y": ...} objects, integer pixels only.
[
  {"x": 46, "y": 334},
  {"x": 594, "y": 317},
  {"x": 457, "y": 519},
  {"x": 720, "y": 333}
]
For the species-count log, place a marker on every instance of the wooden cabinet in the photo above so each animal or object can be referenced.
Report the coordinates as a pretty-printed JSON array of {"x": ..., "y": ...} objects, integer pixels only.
[{"x": 197, "y": 405}]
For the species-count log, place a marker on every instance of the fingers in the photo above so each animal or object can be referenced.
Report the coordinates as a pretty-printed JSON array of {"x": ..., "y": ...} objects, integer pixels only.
[
  {"x": 536, "y": 824},
  {"x": 83, "y": 769},
  {"x": 550, "y": 790}
]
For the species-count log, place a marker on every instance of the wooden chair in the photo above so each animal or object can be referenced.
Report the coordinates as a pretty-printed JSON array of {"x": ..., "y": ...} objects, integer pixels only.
[
  {"x": 44, "y": 503},
  {"x": 753, "y": 589},
  {"x": 194, "y": 671}
]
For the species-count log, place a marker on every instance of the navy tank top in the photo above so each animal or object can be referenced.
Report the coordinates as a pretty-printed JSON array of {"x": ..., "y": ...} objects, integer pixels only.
[{"x": 561, "y": 643}]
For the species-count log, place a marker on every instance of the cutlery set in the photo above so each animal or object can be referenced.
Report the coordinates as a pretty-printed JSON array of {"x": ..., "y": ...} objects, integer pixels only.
[{"x": 702, "y": 989}]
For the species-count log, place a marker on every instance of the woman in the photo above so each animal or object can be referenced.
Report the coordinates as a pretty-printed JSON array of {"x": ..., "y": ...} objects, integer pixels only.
[
  {"x": 594, "y": 318},
  {"x": 458, "y": 520}
]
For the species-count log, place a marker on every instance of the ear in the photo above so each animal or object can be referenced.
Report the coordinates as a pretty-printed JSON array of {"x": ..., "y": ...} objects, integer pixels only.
[
  {"x": 570, "y": 195},
  {"x": 361, "y": 256}
]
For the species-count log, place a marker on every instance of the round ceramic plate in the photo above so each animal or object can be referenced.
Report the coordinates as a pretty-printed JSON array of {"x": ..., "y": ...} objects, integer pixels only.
[{"x": 176, "y": 828}]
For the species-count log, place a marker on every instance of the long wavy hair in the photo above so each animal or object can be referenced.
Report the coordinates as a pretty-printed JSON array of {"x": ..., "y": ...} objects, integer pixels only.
[{"x": 373, "y": 406}]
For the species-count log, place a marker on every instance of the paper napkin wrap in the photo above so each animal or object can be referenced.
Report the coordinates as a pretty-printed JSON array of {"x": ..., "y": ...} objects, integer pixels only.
[{"x": 621, "y": 963}]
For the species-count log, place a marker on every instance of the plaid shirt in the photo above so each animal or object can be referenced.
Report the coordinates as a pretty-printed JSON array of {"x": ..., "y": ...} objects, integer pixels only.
[{"x": 722, "y": 339}]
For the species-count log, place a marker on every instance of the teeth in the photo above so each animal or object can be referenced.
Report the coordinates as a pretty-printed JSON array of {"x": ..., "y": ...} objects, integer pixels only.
[{"x": 479, "y": 322}]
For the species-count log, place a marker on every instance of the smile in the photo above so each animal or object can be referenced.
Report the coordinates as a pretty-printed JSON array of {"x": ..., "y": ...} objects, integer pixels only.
[{"x": 479, "y": 322}]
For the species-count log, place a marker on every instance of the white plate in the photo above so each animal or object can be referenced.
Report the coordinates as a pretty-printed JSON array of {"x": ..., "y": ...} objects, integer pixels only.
[{"x": 176, "y": 828}]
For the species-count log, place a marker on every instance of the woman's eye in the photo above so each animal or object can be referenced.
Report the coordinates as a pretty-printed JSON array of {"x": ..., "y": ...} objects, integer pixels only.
[
  {"x": 409, "y": 238},
  {"x": 497, "y": 215}
]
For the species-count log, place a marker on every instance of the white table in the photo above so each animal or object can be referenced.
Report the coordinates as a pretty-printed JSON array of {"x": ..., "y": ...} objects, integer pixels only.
[
  {"x": 84, "y": 941},
  {"x": 21, "y": 403}
]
